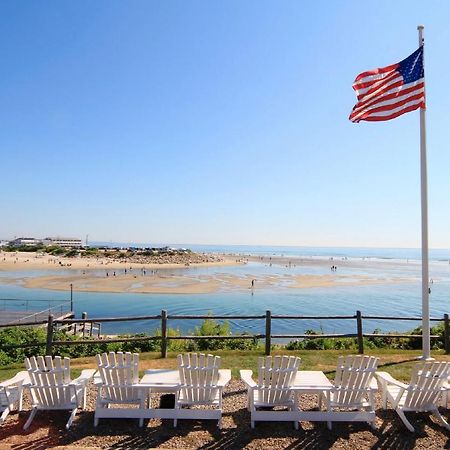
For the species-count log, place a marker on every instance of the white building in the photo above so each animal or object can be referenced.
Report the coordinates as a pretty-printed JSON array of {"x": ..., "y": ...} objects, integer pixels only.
[
  {"x": 25, "y": 241},
  {"x": 63, "y": 242}
]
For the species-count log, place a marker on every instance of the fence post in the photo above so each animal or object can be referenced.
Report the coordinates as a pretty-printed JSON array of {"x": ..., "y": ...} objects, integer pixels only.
[
  {"x": 446, "y": 334},
  {"x": 49, "y": 344},
  {"x": 84, "y": 316},
  {"x": 268, "y": 331},
  {"x": 71, "y": 297},
  {"x": 360, "y": 332},
  {"x": 163, "y": 333}
]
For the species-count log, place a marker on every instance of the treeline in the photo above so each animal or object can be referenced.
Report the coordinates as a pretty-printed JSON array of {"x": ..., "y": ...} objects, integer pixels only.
[
  {"x": 54, "y": 250},
  {"x": 209, "y": 327},
  {"x": 30, "y": 335},
  {"x": 99, "y": 252}
]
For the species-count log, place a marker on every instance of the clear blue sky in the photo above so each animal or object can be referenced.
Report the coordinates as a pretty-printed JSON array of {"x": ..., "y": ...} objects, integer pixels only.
[{"x": 217, "y": 122}]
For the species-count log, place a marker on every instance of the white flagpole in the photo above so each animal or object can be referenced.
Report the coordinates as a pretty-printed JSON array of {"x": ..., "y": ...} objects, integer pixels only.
[{"x": 424, "y": 203}]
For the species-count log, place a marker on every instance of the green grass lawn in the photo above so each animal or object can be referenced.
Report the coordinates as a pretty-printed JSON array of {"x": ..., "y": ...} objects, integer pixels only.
[{"x": 397, "y": 362}]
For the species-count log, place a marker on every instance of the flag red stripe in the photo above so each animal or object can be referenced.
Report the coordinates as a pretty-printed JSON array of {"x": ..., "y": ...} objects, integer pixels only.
[
  {"x": 377, "y": 91},
  {"x": 400, "y": 93},
  {"x": 376, "y": 72},
  {"x": 359, "y": 86},
  {"x": 396, "y": 114},
  {"x": 391, "y": 106}
]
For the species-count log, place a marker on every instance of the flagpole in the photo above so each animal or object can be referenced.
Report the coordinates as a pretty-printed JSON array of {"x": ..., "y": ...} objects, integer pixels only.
[{"x": 424, "y": 204}]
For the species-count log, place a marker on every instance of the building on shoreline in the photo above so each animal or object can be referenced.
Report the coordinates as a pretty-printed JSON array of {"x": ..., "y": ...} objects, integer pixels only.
[
  {"x": 27, "y": 241},
  {"x": 63, "y": 242},
  {"x": 48, "y": 241}
]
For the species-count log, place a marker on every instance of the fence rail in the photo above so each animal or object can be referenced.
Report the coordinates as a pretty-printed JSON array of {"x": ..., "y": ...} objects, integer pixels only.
[
  {"x": 16, "y": 311},
  {"x": 53, "y": 323}
]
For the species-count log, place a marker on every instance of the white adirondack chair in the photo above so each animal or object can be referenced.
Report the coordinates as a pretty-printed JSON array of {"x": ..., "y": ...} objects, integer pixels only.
[
  {"x": 422, "y": 394},
  {"x": 201, "y": 384},
  {"x": 275, "y": 378},
  {"x": 52, "y": 388},
  {"x": 118, "y": 383},
  {"x": 11, "y": 393},
  {"x": 353, "y": 391}
]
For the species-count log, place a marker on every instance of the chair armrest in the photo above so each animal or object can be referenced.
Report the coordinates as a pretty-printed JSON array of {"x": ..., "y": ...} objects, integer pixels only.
[
  {"x": 85, "y": 376},
  {"x": 224, "y": 377},
  {"x": 19, "y": 378},
  {"x": 246, "y": 377},
  {"x": 386, "y": 378},
  {"x": 97, "y": 379}
]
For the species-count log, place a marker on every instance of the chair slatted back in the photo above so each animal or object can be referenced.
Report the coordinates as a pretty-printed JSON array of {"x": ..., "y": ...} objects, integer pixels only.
[
  {"x": 49, "y": 380},
  {"x": 199, "y": 375},
  {"x": 353, "y": 376},
  {"x": 118, "y": 372},
  {"x": 275, "y": 377},
  {"x": 426, "y": 384}
]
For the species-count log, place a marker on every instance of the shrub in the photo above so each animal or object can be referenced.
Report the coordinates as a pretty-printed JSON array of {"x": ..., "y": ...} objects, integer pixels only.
[
  {"x": 211, "y": 327},
  {"x": 20, "y": 336}
]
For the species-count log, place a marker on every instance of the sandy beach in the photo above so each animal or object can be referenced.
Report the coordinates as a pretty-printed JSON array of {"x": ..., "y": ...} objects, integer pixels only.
[{"x": 106, "y": 275}]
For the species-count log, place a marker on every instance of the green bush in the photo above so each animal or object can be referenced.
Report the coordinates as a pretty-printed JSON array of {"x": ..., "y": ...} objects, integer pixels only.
[
  {"x": 392, "y": 341},
  {"x": 20, "y": 336},
  {"x": 211, "y": 327},
  {"x": 322, "y": 343},
  {"x": 55, "y": 250},
  {"x": 23, "y": 248}
]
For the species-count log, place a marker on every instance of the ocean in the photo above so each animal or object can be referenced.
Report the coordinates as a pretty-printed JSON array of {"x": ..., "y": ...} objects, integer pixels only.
[{"x": 401, "y": 299}]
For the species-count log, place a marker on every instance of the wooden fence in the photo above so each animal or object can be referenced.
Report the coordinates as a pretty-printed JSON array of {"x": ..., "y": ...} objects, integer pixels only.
[{"x": 268, "y": 317}]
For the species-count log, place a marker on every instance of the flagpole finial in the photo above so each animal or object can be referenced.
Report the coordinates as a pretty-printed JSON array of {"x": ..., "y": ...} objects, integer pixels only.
[{"x": 420, "y": 30}]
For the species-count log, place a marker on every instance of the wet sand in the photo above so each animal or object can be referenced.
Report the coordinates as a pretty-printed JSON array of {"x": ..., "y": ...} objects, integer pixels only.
[{"x": 104, "y": 275}]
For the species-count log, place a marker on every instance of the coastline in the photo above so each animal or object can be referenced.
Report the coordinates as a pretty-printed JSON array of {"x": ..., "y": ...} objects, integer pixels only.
[{"x": 107, "y": 275}]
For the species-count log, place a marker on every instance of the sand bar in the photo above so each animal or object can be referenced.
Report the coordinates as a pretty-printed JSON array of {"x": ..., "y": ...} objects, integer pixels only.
[{"x": 104, "y": 275}]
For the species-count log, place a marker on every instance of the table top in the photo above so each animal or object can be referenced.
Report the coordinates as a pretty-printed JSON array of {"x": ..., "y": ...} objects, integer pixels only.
[
  {"x": 311, "y": 379},
  {"x": 168, "y": 378}
]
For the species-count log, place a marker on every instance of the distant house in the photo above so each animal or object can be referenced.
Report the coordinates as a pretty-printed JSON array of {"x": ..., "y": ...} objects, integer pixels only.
[
  {"x": 28, "y": 241},
  {"x": 63, "y": 242}
]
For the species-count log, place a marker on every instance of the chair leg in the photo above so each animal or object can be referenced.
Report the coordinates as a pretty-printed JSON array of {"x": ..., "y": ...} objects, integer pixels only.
[
  {"x": 329, "y": 423},
  {"x": 384, "y": 397},
  {"x": 295, "y": 407},
  {"x": 20, "y": 400},
  {"x": 30, "y": 419},
  {"x": 175, "y": 422},
  {"x": 142, "y": 407},
  {"x": 219, "y": 423},
  {"x": 440, "y": 419},
  {"x": 95, "y": 421},
  {"x": 72, "y": 416},
  {"x": 4, "y": 415},
  {"x": 444, "y": 399},
  {"x": 405, "y": 420}
]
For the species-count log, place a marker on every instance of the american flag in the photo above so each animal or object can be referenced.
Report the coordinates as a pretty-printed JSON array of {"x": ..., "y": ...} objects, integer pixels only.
[{"x": 384, "y": 94}]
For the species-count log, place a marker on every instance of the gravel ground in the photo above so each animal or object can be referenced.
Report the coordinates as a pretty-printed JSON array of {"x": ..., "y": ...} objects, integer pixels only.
[{"x": 48, "y": 431}]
